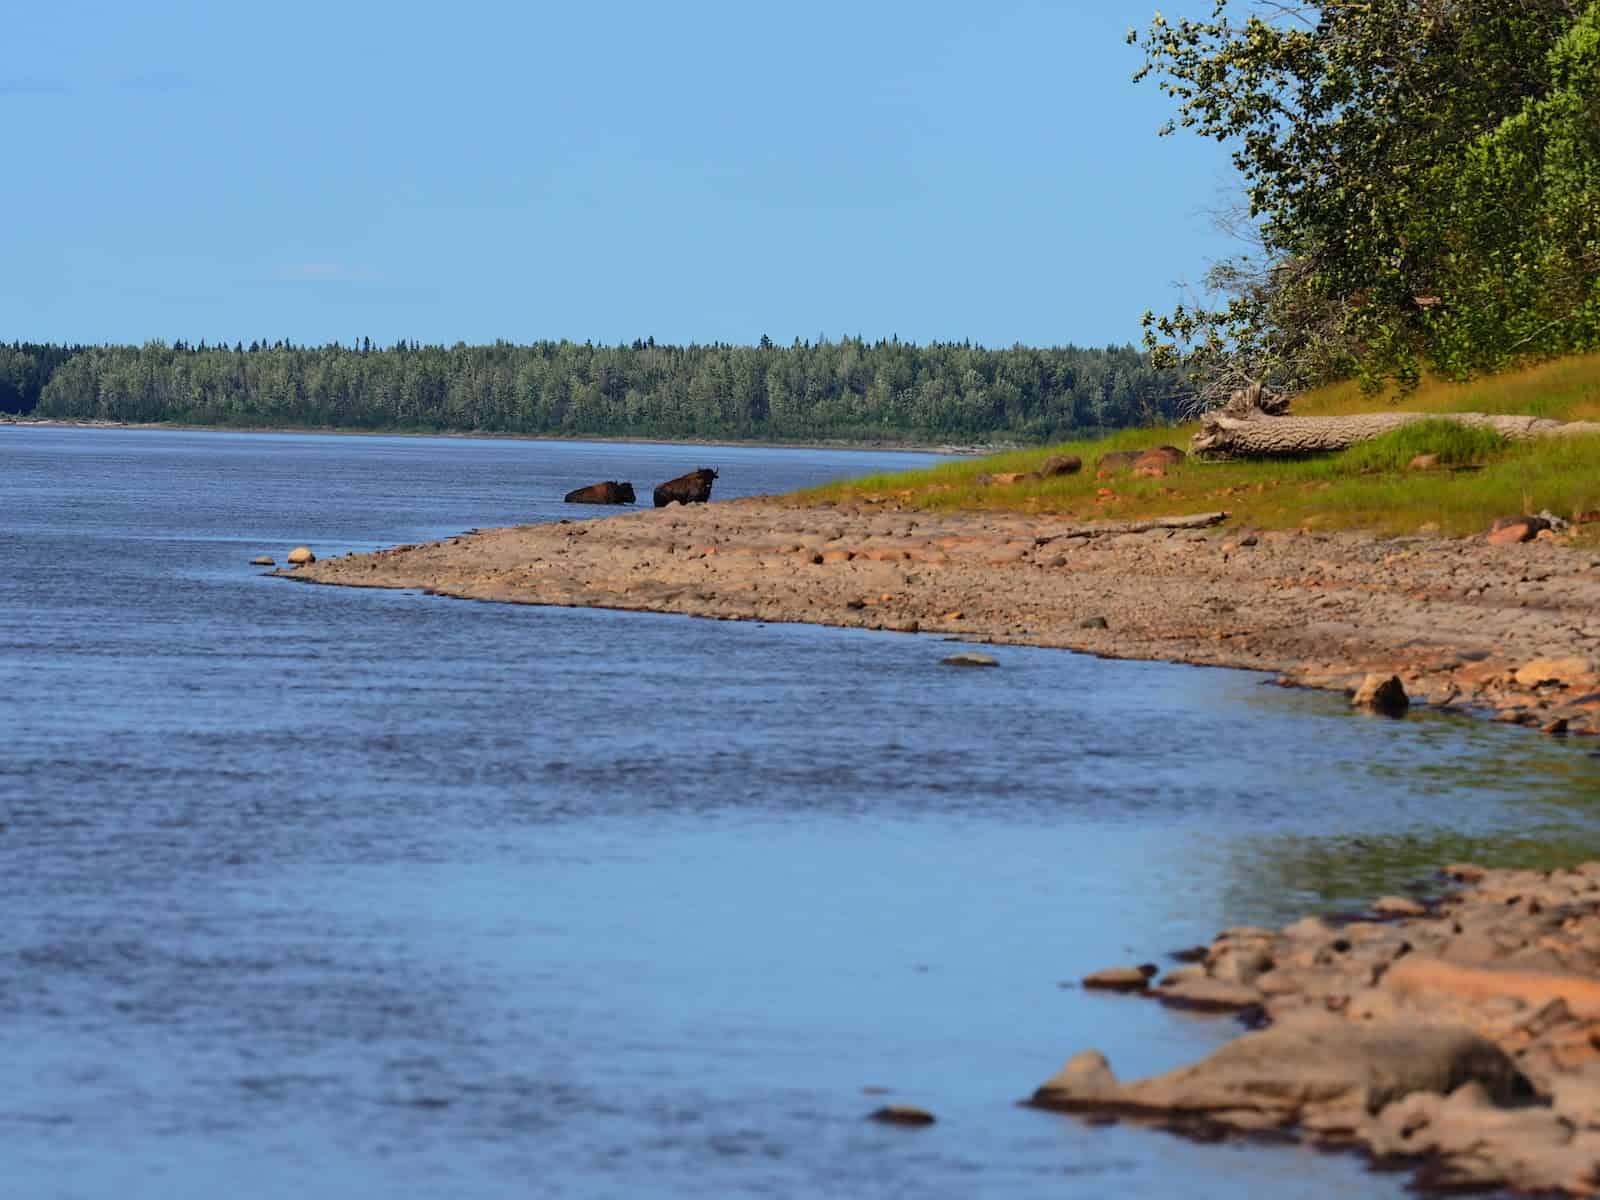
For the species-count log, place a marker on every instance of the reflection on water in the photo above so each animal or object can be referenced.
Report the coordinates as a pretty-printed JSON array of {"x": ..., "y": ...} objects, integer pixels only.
[{"x": 314, "y": 892}]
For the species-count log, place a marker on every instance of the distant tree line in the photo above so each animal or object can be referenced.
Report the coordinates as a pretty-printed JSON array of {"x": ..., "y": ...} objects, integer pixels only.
[
  {"x": 849, "y": 388},
  {"x": 25, "y": 367}
]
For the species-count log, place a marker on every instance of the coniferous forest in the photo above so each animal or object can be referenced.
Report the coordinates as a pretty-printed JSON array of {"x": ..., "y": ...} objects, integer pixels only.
[{"x": 845, "y": 389}]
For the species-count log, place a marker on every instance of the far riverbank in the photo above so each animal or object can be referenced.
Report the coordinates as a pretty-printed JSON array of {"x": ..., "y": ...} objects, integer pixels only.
[{"x": 943, "y": 448}]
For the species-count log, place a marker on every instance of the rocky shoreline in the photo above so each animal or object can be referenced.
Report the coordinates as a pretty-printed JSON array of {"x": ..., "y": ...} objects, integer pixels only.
[
  {"x": 1458, "y": 1038},
  {"x": 1511, "y": 631}
]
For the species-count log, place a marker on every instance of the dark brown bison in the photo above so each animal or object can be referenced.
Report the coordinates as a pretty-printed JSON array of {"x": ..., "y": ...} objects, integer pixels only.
[
  {"x": 609, "y": 492},
  {"x": 693, "y": 488}
]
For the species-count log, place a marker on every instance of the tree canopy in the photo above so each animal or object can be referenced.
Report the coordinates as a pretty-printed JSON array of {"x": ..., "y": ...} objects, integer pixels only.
[{"x": 1421, "y": 180}]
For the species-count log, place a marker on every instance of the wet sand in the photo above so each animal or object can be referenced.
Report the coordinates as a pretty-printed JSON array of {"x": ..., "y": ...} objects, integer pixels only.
[{"x": 1511, "y": 631}]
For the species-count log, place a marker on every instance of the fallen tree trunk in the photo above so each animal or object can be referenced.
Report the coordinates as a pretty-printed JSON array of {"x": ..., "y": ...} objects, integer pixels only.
[
  {"x": 1261, "y": 436},
  {"x": 1108, "y": 528}
]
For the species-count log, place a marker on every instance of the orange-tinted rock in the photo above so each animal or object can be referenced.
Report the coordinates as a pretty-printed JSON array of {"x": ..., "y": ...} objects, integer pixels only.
[
  {"x": 1573, "y": 671},
  {"x": 1508, "y": 531},
  {"x": 1160, "y": 456},
  {"x": 1120, "y": 979}
]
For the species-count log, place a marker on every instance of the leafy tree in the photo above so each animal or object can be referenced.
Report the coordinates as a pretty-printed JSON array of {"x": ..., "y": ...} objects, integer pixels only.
[{"x": 1419, "y": 181}]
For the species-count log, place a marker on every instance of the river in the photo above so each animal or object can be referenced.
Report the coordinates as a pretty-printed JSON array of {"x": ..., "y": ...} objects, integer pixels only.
[{"x": 313, "y": 892}]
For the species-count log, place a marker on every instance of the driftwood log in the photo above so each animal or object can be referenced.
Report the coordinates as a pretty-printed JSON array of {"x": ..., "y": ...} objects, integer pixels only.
[
  {"x": 1110, "y": 528},
  {"x": 1261, "y": 436}
]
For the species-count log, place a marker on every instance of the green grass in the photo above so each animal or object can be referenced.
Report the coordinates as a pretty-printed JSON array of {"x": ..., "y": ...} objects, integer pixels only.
[{"x": 1480, "y": 476}]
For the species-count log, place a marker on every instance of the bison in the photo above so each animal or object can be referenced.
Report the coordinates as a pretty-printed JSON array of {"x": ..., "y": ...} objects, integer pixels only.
[
  {"x": 609, "y": 492},
  {"x": 693, "y": 488}
]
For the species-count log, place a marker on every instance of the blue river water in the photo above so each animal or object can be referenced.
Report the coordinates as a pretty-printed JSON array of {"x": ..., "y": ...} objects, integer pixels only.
[{"x": 312, "y": 892}]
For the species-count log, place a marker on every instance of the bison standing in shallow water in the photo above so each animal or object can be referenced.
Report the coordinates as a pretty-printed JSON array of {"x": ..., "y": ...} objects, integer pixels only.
[
  {"x": 609, "y": 492},
  {"x": 693, "y": 488}
]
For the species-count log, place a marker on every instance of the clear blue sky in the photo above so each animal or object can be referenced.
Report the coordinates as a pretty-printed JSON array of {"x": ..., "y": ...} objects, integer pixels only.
[{"x": 609, "y": 169}]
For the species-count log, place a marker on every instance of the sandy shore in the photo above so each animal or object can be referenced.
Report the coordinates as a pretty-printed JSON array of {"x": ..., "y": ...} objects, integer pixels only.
[{"x": 1508, "y": 630}]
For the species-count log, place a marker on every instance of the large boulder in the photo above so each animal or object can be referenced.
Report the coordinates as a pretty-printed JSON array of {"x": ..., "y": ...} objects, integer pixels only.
[
  {"x": 1282, "y": 1076},
  {"x": 1060, "y": 464},
  {"x": 1116, "y": 460},
  {"x": 1571, "y": 672},
  {"x": 609, "y": 492},
  {"x": 1157, "y": 459},
  {"x": 1508, "y": 531},
  {"x": 693, "y": 488},
  {"x": 300, "y": 556}
]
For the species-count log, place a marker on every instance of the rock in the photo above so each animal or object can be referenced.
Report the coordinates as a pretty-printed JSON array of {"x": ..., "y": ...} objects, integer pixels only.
[
  {"x": 261, "y": 560},
  {"x": 1003, "y": 479},
  {"x": 1156, "y": 460},
  {"x": 1282, "y": 1075},
  {"x": 1207, "y": 995},
  {"x": 1384, "y": 695},
  {"x": 903, "y": 1114},
  {"x": 1398, "y": 906},
  {"x": 300, "y": 556},
  {"x": 1060, "y": 464},
  {"x": 1423, "y": 462},
  {"x": 1417, "y": 976},
  {"x": 1568, "y": 672},
  {"x": 969, "y": 659},
  {"x": 1117, "y": 460},
  {"x": 1120, "y": 979},
  {"x": 1093, "y": 623},
  {"x": 1555, "y": 728},
  {"x": 1508, "y": 531},
  {"x": 1083, "y": 1079}
]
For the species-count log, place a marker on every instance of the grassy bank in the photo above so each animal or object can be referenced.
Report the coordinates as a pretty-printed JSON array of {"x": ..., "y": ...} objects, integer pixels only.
[{"x": 1368, "y": 486}]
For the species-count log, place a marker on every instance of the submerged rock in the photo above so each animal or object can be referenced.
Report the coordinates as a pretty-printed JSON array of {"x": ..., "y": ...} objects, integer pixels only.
[
  {"x": 261, "y": 560},
  {"x": 1382, "y": 694},
  {"x": 968, "y": 659},
  {"x": 903, "y": 1114}
]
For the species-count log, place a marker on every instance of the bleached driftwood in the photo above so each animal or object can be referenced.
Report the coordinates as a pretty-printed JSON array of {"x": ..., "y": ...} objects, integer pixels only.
[
  {"x": 1109, "y": 528},
  {"x": 1260, "y": 436}
]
